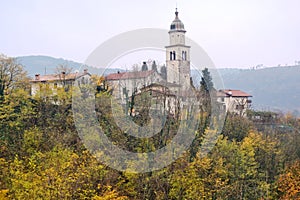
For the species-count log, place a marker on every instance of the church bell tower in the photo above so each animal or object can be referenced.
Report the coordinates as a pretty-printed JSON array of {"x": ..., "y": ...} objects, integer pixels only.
[{"x": 178, "y": 54}]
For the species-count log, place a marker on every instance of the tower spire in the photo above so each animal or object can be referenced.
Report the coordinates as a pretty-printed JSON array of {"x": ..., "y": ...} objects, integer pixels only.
[{"x": 176, "y": 12}]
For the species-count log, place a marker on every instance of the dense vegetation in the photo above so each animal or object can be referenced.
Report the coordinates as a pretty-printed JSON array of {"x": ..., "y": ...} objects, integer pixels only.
[{"x": 42, "y": 156}]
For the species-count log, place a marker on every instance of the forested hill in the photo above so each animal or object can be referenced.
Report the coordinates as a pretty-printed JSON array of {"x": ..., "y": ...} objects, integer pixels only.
[
  {"x": 48, "y": 65},
  {"x": 274, "y": 88},
  {"x": 46, "y": 154},
  {"x": 44, "y": 64}
]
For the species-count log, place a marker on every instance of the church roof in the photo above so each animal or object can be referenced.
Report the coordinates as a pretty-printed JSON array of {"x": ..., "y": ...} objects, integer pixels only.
[
  {"x": 129, "y": 75},
  {"x": 177, "y": 24}
]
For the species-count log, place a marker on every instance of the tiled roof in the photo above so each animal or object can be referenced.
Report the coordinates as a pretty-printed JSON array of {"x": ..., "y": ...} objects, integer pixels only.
[
  {"x": 58, "y": 77},
  {"x": 129, "y": 75},
  {"x": 157, "y": 93},
  {"x": 233, "y": 93}
]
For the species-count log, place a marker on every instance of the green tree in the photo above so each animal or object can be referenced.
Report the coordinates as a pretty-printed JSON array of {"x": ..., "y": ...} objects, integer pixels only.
[
  {"x": 206, "y": 83},
  {"x": 207, "y": 92},
  {"x": 236, "y": 127},
  {"x": 154, "y": 66}
]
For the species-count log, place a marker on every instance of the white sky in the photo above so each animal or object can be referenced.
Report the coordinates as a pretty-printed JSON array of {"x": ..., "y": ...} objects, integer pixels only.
[{"x": 234, "y": 33}]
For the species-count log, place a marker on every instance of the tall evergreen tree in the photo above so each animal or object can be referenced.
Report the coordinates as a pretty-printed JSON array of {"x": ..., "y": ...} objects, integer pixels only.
[{"x": 206, "y": 81}]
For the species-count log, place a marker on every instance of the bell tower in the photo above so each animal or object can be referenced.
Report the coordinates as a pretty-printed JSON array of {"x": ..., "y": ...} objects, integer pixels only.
[{"x": 178, "y": 54}]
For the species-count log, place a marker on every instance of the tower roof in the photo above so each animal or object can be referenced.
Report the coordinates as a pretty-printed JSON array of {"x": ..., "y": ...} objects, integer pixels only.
[{"x": 177, "y": 24}]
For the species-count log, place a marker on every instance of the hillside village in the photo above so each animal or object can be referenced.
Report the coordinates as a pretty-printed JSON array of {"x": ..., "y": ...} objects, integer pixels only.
[
  {"x": 46, "y": 154},
  {"x": 172, "y": 80}
]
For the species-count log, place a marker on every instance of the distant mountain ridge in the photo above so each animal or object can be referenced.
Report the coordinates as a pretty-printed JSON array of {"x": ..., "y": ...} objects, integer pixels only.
[
  {"x": 47, "y": 65},
  {"x": 274, "y": 88},
  {"x": 44, "y": 64}
]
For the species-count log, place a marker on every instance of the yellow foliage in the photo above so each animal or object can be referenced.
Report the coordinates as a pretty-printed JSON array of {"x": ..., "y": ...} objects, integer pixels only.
[
  {"x": 289, "y": 183},
  {"x": 3, "y": 194},
  {"x": 110, "y": 194}
]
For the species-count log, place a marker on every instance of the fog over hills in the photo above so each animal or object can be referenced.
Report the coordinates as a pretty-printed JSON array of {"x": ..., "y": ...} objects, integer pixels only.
[{"x": 274, "y": 88}]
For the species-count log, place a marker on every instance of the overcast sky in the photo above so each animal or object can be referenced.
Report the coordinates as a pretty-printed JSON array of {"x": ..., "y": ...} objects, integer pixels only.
[{"x": 234, "y": 33}]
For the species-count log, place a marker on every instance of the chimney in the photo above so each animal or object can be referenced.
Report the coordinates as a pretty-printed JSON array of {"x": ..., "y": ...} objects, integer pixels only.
[
  {"x": 85, "y": 71},
  {"x": 37, "y": 77},
  {"x": 63, "y": 75}
]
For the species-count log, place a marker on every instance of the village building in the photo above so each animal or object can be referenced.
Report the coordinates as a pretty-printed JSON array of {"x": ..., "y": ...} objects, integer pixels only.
[
  {"x": 52, "y": 82},
  {"x": 124, "y": 84},
  {"x": 234, "y": 101},
  {"x": 175, "y": 76},
  {"x": 158, "y": 98}
]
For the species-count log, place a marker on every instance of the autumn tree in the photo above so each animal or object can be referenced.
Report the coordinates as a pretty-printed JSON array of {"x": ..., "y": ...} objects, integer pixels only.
[
  {"x": 289, "y": 182},
  {"x": 16, "y": 115},
  {"x": 11, "y": 74}
]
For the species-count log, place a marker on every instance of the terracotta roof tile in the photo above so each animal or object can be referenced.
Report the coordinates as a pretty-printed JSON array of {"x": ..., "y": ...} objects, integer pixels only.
[
  {"x": 233, "y": 93},
  {"x": 57, "y": 77},
  {"x": 129, "y": 75}
]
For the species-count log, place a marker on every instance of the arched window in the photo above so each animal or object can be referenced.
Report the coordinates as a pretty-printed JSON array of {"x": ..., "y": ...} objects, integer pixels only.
[
  {"x": 171, "y": 55},
  {"x": 174, "y": 55}
]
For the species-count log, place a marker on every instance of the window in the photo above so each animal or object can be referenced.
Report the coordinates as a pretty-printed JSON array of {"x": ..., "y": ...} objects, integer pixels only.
[
  {"x": 183, "y": 55},
  {"x": 239, "y": 107},
  {"x": 172, "y": 55}
]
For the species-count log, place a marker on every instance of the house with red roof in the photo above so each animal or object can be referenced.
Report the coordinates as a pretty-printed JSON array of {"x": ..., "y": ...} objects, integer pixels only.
[
  {"x": 51, "y": 82},
  {"x": 234, "y": 101}
]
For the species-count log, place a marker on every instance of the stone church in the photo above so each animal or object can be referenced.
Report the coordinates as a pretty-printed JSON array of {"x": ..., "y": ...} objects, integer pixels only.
[{"x": 175, "y": 75}]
